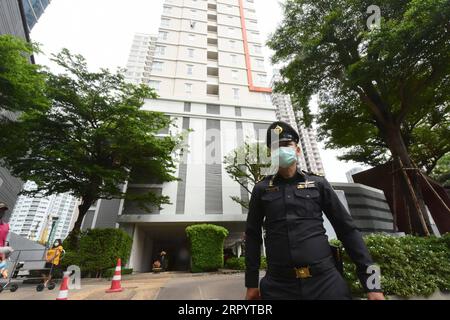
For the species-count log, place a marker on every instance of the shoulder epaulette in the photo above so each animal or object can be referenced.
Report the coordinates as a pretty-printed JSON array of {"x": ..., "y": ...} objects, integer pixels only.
[
  {"x": 263, "y": 177},
  {"x": 313, "y": 174}
]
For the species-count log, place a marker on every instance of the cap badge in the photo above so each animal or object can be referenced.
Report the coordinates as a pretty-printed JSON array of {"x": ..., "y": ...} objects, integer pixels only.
[{"x": 278, "y": 130}]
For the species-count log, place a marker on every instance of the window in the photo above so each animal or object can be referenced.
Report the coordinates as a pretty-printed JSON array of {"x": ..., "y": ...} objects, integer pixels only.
[
  {"x": 236, "y": 93},
  {"x": 234, "y": 59},
  {"x": 260, "y": 63},
  {"x": 157, "y": 66},
  {"x": 234, "y": 74},
  {"x": 191, "y": 37},
  {"x": 192, "y": 24},
  {"x": 165, "y": 22},
  {"x": 262, "y": 78},
  {"x": 187, "y": 107},
  {"x": 188, "y": 88},
  {"x": 163, "y": 35},
  {"x": 154, "y": 84},
  {"x": 190, "y": 53},
  {"x": 167, "y": 10},
  {"x": 160, "y": 50},
  {"x": 230, "y": 31},
  {"x": 190, "y": 69},
  {"x": 212, "y": 109},
  {"x": 232, "y": 44},
  {"x": 257, "y": 49}
]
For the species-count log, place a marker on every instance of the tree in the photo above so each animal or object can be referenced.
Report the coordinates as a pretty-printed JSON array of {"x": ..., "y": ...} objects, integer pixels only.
[
  {"x": 427, "y": 137},
  {"x": 383, "y": 76},
  {"x": 22, "y": 84},
  {"x": 90, "y": 139},
  {"x": 246, "y": 165},
  {"x": 441, "y": 173}
]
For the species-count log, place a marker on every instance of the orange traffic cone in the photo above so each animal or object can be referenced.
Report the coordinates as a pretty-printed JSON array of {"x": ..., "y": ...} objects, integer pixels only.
[
  {"x": 115, "y": 284},
  {"x": 64, "y": 289}
]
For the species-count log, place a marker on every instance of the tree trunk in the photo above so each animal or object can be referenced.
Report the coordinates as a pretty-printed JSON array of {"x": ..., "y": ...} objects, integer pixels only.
[
  {"x": 410, "y": 185},
  {"x": 86, "y": 203},
  {"x": 74, "y": 235}
]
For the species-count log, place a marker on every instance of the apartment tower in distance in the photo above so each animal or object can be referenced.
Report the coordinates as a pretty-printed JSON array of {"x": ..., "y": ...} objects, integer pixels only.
[
  {"x": 141, "y": 58},
  {"x": 310, "y": 159}
]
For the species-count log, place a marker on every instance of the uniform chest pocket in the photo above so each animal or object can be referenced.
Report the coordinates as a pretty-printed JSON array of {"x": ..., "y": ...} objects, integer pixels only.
[
  {"x": 307, "y": 202},
  {"x": 273, "y": 205}
]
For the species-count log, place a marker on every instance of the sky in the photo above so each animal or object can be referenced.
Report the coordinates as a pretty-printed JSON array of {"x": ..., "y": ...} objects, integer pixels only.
[{"x": 102, "y": 31}]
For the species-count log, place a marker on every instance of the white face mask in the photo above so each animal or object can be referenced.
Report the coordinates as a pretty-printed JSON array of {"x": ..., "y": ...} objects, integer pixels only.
[{"x": 284, "y": 156}]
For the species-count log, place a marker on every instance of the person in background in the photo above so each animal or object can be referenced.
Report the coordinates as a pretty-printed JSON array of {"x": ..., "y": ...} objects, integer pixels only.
[
  {"x": 4, "y": 227},
  {"x": 53, "y": 259},
  {"x": 163, "y": 260}
]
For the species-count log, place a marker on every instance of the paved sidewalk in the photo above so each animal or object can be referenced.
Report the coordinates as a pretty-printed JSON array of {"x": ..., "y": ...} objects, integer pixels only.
[{"x": 136, "y": 287}]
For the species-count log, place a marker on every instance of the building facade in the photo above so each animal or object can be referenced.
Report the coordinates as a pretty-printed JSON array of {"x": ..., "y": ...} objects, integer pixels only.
[
  {"x": 33, "y": 11},
  {"x": 13, "y": 22},
  {"x": 208, "y": 69},
  {"x": 310, "y": 158},
  {"x": 32, "y": 217}
]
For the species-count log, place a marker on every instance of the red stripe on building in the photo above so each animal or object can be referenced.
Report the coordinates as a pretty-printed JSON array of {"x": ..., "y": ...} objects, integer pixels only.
[{"x": 248, "y": 63}]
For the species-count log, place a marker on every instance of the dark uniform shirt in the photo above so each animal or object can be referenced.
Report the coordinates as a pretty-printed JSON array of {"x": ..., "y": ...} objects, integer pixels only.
[{"x": 290, "y": 210}]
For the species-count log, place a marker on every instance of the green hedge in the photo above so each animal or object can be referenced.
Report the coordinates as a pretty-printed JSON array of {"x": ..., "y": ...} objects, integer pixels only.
[
  {"x": 235, "y": 263},
  {"x": 206, "y": 247},
  {"x": 109, "y": 273},
  {"x": 410, "y": 266},
  {"x": 98, "y": 251}
]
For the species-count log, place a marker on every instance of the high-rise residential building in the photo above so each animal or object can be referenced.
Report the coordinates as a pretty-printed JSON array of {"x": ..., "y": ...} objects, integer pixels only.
[
  {"x": 141, "y": 57},
  {"x": 210, "y": 76},
  {"x": 32, "y": 216},
  {"x": 310, "y": 159}
]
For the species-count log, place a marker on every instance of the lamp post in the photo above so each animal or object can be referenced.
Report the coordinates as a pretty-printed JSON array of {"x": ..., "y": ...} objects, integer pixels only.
[{"x": 52, "y": 231}]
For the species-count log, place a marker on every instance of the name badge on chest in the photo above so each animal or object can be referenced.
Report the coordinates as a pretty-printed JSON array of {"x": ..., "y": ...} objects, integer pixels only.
[
  {"x": 306, "y": 185},
  {"x": 272, "y": 189}
]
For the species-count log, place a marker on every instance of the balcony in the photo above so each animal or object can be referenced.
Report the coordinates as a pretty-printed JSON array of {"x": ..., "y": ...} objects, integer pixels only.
[
  {"x": 213, "y": 71},
  {"x": 212, "y": 35},
  {"x": 213, "y": 55},
  {"x": 212, "y": 17},
  {"x": 213, "y": 80},
  {"x": 212, "y": 29},
  {"x": 213, "y": 63},
  {"x": 212, "y": 91}
]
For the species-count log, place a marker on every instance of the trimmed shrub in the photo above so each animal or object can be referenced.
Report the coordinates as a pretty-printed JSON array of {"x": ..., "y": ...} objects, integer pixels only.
[
  {"x": 206, "y": 247},
  {"x": 99, "y": 250},
  {"x": 239, "y": 263},
  {"x": 410, "y": 266}
]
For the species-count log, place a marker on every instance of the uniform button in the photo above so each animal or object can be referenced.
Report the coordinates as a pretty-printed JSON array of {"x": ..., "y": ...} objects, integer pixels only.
[{"x": 289, "y": 197}]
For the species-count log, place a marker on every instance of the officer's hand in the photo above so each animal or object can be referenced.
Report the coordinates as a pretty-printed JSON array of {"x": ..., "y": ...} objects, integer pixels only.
[
  {"x": 375, "y": 296},
  {"x": 252, "y": 294}
]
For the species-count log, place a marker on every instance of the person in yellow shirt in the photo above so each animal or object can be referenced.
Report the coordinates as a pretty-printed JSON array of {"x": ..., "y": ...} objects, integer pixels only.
[{"x": 53, "y": 258}]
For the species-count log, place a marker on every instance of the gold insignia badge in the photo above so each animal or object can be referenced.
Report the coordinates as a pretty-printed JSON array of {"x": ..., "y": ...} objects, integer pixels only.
[
  {"x": 278, "y": 130},
  {"x": 306, "y": 185}
]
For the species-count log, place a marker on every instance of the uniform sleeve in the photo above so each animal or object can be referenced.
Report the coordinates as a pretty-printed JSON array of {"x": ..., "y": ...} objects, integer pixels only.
[
  {"x": 347, "y": 233},
  {"x": 253, "y": 240}
]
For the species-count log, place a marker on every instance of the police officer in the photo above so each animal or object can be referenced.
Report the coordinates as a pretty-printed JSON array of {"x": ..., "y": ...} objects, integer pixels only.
[{"x": 289, "y": 206}]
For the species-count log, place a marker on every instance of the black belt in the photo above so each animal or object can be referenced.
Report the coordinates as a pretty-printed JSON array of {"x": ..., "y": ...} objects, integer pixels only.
[{"x": 302, "y": 272}]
